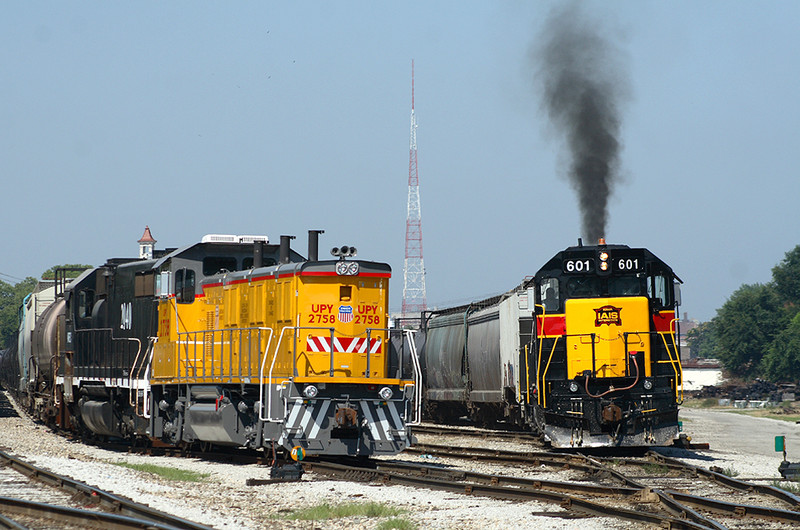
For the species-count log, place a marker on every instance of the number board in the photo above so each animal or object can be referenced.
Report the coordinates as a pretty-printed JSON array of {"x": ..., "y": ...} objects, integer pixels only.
[
  {"x": 578, "y": 266},
  {"x": 624, "y": 262}
]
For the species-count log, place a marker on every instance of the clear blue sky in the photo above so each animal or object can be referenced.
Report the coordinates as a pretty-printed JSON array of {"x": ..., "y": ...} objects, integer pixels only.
[{"x": 266, "y": 117}]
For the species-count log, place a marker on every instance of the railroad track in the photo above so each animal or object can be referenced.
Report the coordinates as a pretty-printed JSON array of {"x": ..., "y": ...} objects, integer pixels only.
[
  {"x": 474, "y": 432},
  {"x": 704, "y": 497},
  {"x": 69, "y": 502},
  {"x": 506, "y": 488},
  {"x": 523, "y": 437}
]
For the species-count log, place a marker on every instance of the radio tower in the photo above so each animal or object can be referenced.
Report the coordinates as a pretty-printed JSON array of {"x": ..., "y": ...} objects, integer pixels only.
[{"x": 413, "y": 267}]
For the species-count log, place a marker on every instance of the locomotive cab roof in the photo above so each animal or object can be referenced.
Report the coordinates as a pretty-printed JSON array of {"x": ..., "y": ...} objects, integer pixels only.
[{"x": 555, "y": 265}]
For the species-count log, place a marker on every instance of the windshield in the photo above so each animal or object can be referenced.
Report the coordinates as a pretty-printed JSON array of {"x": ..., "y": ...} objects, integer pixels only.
[{"x": 588, "y": 286}]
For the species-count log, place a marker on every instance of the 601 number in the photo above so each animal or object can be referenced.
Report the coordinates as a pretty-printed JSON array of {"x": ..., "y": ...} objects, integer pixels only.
[
  {"x": 578, "y": 265},
  {"x": 628, "y": 264}
]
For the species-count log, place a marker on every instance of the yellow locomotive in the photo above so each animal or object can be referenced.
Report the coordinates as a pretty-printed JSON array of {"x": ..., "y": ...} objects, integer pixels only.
[
  {"x": 296, "y": 353},
  {"x": 230, "y": 341}
]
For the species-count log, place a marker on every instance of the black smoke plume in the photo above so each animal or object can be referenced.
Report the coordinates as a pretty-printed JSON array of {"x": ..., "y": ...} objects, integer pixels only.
[{"x": 583, "y": 82}]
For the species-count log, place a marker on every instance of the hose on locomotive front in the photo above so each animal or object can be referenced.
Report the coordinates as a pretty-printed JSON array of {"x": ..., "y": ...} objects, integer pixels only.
[{"x": 612, "y": 389}]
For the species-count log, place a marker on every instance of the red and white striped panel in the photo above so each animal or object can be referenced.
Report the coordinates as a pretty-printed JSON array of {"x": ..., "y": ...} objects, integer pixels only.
[{"x": 342, "y": 344}]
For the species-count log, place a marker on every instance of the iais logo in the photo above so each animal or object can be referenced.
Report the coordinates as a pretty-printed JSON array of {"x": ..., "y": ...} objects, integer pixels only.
[{"x": 608, "y": 314}]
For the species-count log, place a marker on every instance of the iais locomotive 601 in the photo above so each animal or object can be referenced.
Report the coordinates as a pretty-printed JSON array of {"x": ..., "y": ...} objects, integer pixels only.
[
  {"x": 585, "y": 352},
  {"x": 230, "y": 341}
]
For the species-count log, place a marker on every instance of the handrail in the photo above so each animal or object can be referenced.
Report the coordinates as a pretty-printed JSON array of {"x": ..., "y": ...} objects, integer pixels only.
[
  {"x": 542, "y": 398},
  {"x": 267, "y": 416},
  {"x": 674, "y": 361},
  {"x": 135, "y": 362},
  {"x": 269, "y": 383},
  {"x": 417, "y": 377},
  {"x": 527, "y": 378},
  {"x": 540, "y": 391},
  {"x": 135, "y": 376},
  {"x": 92, "y": 334},
  {"x": 187, "y": 338}
]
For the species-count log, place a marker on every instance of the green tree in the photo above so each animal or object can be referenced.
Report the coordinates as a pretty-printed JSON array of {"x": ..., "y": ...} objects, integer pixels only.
[
  {"x": 782, "y": 362},
  {"x": 786, "y": 278},
  {"x": 50, "y": 274},
  {"x": 702, "y": 341},
  {"x": 11, "y": 297},
  {"x": 745, "y": 327}
]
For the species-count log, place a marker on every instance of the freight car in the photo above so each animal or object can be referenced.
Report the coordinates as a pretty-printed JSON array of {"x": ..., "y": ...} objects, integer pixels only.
[
  {"x": 231, "y": 341},
  {"x": 584, "y": 352}
]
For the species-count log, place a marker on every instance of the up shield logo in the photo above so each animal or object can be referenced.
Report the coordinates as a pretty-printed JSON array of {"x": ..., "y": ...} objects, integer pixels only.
[
  {"x": 345, "y": 313},
  {"x": 608, "y": 314}
]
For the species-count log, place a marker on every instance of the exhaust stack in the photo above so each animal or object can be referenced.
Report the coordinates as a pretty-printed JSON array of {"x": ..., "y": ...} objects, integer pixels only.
[
  {"x": 258, "y": 254},
  {"x": 313, "y": 244},
  {"x": 284, "y": 250}
]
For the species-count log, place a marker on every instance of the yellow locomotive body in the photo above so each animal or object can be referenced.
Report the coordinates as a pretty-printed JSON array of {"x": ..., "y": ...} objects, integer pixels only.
[
  {"x": 608, "y": 337},
  {"x": 297, "y": 354}
]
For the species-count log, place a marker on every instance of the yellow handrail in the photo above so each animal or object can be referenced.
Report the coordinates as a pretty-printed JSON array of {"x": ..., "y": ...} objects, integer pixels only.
[
  {"x": 674, "y": 361},
  {"x": 542, "y": 399}
]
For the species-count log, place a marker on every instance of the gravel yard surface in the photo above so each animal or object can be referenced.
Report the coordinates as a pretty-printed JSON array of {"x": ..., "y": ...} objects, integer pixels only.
[
  {"x": 742, "y": 444},
  {"x": 224, "y": 501}
]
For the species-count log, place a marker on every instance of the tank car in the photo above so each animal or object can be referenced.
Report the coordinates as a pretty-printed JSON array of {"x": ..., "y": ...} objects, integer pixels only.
[
  {"x": 21, "y": 369},
  {"x": 584, "y": 352},
  {"x": 232, "y": 341}
]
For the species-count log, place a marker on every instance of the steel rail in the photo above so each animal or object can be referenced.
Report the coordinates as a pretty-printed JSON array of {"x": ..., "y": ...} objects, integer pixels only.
[
  {"x": 670, "y": 502},
  {"x": 500, "y": 480},
  {"x": 108, "y": 501},
  {"x": 520, "y": 436},
  {"x": 107, "y": 521},
  {"x": 516, "y": 436},
  {"x": 684, "y": 512},
  {"x": 481, "y": 453},
  {"x": 778, "y": 493},
  {"x": 11, "y": 524},
  {"x": 567, "y": 502},
  {"x": 737, "y": 510}
]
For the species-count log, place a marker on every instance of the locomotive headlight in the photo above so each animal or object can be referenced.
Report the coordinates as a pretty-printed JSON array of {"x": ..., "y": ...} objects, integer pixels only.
[
  {"x": 386, "y": 393},
  {"x": 347, "y": 268},
  {"x": 603, "y": 266},
  {"x": 310, "y": 391},
  {"x": 573, "y": 386},
  {"x": 648, "y": 384},
  {"x": 604, "y": 256}
]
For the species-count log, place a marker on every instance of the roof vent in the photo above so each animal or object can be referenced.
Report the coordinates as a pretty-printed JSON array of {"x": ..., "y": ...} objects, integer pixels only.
[{"x": 231, "y": 238}]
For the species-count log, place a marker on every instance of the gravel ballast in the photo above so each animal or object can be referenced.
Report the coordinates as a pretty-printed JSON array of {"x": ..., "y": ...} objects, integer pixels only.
[{"x": 223, "y": 500}]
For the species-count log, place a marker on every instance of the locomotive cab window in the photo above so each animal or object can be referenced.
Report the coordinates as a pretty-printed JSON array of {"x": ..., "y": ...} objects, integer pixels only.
[
  {"x": 658, "y": 290},
  {"x": 85, "y": 303},
  {"x": 215, "y": 264},
  {"x": 184, "y": 286},
  {"x": 584, "y": 286},
  {"x": 625, "y": 286},
  {"x": 548, "y": 294}
]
